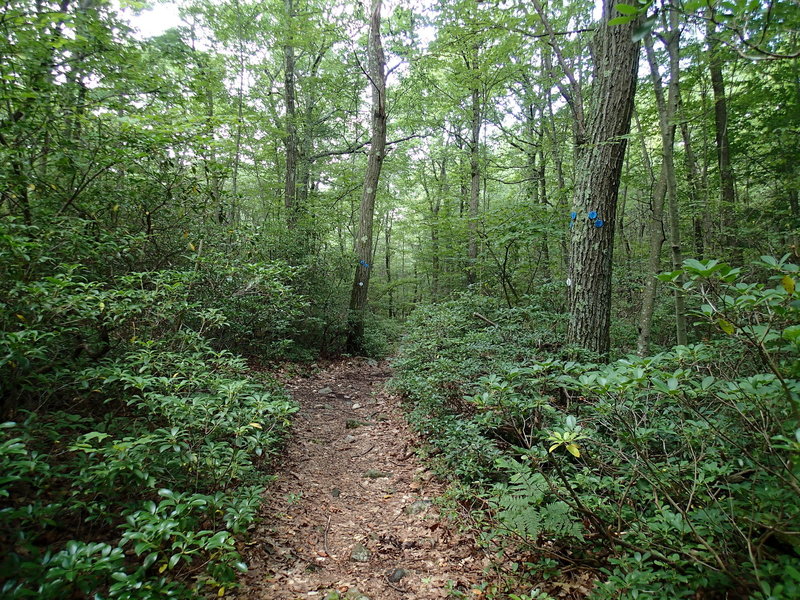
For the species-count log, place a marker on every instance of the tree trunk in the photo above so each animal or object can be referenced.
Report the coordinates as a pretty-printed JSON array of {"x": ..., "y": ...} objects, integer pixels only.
[
  {"x": 234, "y": 216},
  {"x": 363, "y": 242},
  {"x": 388, "y": 261},
  {"x": 290, "y": 134},
  {"x": 435, "y": 206},
  {"x": 672, "y": 44},
  {"x": 598, "y": 171},
  {"x": 726, "y": 176},
  {"x": 657, "y": 239},
  {"x": 558, "y": 163},
  {"x": 698, "y": 198},
  {"x": 475, "y": 188},
  {"x": 667, "y": 186}
]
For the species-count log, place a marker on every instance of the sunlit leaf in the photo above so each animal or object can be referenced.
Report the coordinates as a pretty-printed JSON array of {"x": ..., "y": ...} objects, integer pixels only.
[
  {"x": 626, "y": 9},
  {"x": 573, "y": 449},
  {"x": 726, "y": 326}
]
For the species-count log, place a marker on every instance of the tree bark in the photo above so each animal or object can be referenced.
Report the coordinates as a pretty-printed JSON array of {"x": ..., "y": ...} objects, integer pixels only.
[
  {"x": 388, "y": 261},
  {"x": 657, "y": 239},
  {"x": 290, "y": 135},
  {"x": 475, "y": 187},
  {"x": 363, "y": 242},
  {"x": 726, "y": 175},
  {"x": 668, "y": 126},
  {"x": 600, "y": 159},
  {"x": 667, "y": 186},
  {"x": 698, "y": 196}
]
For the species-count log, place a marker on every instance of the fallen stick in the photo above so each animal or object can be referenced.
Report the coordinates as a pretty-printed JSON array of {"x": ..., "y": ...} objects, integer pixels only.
[
  {"x": 371, "y": 448},
  {"x": 482, "y": 318},
  {"x": 325, "y": 536},
  {"x": 394, "y": 587}
]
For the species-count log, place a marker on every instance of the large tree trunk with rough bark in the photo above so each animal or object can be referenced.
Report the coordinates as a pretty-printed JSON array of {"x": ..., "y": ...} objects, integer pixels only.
[
  {"x": 363, "y": 243},
  {"x": 600, "y": 158}
]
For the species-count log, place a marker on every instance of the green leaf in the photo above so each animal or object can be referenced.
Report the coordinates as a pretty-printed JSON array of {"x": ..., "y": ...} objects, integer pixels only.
[
  {"x": 788, "y": 284},
  {"x": 626, "y": 9},
  {"x": 620, "y": 21},
  {"x": 770, "y": 260},
  {"x": 573, "y": 449},
  {"x": 726, "y": 326},
  {"x": 694, "y": 265},
  {"x": 791, "y": 333},
  {"x": 669, "y": 276}
]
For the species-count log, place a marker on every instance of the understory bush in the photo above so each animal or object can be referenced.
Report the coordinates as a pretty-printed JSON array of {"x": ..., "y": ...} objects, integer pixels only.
[
  {"x": 669, "y": 476},
  {"x": 134, "y": 444}
]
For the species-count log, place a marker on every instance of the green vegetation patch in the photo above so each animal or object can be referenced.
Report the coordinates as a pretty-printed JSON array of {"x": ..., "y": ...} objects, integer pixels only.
[{"x": 662, "y": 475}]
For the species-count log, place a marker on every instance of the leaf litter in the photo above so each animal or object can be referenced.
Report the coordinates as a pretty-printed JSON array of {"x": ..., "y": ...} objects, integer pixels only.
[{"x": 351, "y": 513}]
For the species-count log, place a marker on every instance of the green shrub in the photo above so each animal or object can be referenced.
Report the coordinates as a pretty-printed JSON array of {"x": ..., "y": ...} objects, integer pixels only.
[
  {"x": 681, "y": 470},
  {"x": 138, "y": 443}
]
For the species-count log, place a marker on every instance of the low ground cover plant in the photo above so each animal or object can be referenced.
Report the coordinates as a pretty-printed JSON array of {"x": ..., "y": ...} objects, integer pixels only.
[
  {"x": 133, "y": 448},
  {"x": 668, "y": 476}
]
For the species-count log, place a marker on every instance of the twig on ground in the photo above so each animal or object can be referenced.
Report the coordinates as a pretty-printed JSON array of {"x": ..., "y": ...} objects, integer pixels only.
[
  {"x": 325, "y": 536},
  {"x": 394, "y": 587},
  {"x": 482, "y": 318},
  {"x": 371, "y": 448}
]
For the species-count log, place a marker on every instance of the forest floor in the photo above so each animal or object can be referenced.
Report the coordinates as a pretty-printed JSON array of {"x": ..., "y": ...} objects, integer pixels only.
[{"x": 351, "y": 514}]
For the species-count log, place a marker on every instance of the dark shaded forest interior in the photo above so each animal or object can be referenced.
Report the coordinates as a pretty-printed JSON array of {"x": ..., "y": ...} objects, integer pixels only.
[{"x": 416, "y": 299}]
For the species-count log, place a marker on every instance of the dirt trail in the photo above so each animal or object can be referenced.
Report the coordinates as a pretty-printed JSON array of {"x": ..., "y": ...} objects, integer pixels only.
[{"x": 351, "y": 509}]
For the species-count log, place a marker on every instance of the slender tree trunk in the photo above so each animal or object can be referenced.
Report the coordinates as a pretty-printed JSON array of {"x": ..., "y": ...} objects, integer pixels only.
[
  {"x": 668, "y": 126},
  {"x": 363, "y": 242},
  {"x": 667, "y": 186},
  {"x": 561, "y": 197},
  {"x": 213, "y": 175},
  {"x": 304, "y": 160},
  {"x": 387, "y": 232},
  {"x": 697, "y": 196},
  {"x": 435, "y": 206},
  {"x": 239, "y": 120},
  {"x": 726, "y": 175},
  {"x": 598, "y": 172},
  {"x": 657, "y": 239},
  {"x": 475, "y": 188},
  {"x": 543, "y": 199},
  {"x": 290, "y": 134}
]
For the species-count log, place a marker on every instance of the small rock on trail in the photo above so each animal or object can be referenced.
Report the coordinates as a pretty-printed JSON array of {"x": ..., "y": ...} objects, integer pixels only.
[{"x": 329, "y": 530}]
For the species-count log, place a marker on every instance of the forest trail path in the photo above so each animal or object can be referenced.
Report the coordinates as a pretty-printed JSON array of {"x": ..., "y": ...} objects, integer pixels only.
[{"x": 350, "y": 511}]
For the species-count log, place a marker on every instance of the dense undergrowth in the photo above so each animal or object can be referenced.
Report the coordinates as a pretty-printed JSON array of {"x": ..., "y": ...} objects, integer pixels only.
[
  {"x": 135, "y": 444},
  {"x": 671, "y": 476}
]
